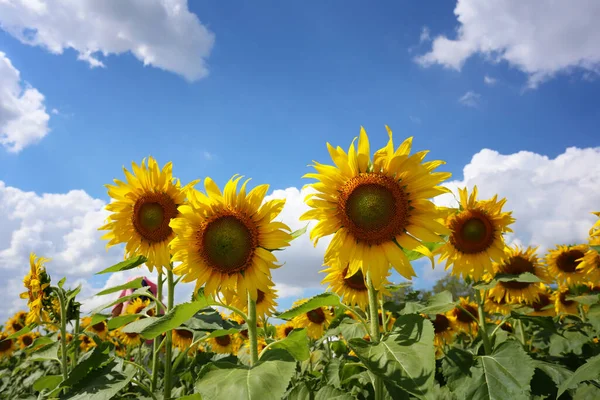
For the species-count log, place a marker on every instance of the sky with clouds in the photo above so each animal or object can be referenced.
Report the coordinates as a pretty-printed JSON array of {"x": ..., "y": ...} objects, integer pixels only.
[{"x": 507, "y": 99}]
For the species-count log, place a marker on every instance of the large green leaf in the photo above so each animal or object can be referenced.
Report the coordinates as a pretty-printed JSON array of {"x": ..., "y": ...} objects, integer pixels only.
[
  {"x": 134, "y": 284},
  {"x": 331, "y": 372},
  {"x": 208, "y": 319},
  {"x": 300, "y": 392},
  {"x": 124, "y": 265},
  {"x": 505, "y": 374},
  {"x": 351, "y": 329},
  {"x": 99, "y": 356},
  {"x": 321, "y": 300},
  {"x": 139, "y": 292},
  {"x": 568, "y": 342},
  {"x": 48, "y": 382},
  {"x": 103, "y": 384},
  {"x": 405, "y": 357},
  {"x": 587, "y": 299},
  {"x": 267, "y": 380},
  {"x": 296, "y": 343},
  {"x": 456, "y": 367},
  {"x": 97, "y": 318},
  {"x": 174, "y": 318},
  {"x": 121, "y": 320},
  {"x": 588, "y": 371},
  {"x": 139, "y": 325},
  {"x": 437, "y": 304},
  {"x": 23, "y": 331},
  {"x": 331, "y": 393},
  {"x": 48, "y": 352},
  {"x": 547, "y": 378}
]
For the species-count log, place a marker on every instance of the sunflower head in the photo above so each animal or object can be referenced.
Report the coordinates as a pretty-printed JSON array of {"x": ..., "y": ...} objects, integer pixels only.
[
  {"x": 375, "y": 209},
  {"x": 225, "y": 344},
  {"x": 27, "y": 339},
  {"x": 464, "y": 317},
  {"x": 265, "y": 301},
  {"x": 37, "y": 283},
  {"x": 544, "y": 304},
  {"x": 16, "y": 322},
  {"x": 562, "y": 305},
  {"x": 86, "y": 343},
  {"x": 182, "y": 338},
  {"x": 443, "y": 329},
  {"x": 284, "y": 330},
  {"x": 129, "y": 339},
  {"x": 315, "y": 321},
  {"x": 563, "y": 264},
  {"x": 142, "y": 209},
  {"x": 7, "y": 346},
  {"x": 595, "y": 229},
  {"x": 225, "y": 240},
  {"x": 476, "y": 235},
  {"x": 137, "y": 306},
  {"x": 590, "y": 263},
  {"x": 99, "y": 328},
  {"x": 494, "y": 305}
]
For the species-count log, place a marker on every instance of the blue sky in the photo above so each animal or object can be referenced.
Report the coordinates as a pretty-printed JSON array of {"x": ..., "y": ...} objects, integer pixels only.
[{"x": 284, "y": 78}]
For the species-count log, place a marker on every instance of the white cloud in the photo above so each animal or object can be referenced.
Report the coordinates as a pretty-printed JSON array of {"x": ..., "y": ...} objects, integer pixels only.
[
  {"x": 424, "y": 35},
  {"x": 23, "y": 117},
  {"x": 488, "y": 80},
  {"x": 470, "y": 99},
  {"x": 208, "y": 155},
  {"x": 540, "y": 38},
  {"x": 551, "y": 199},
  {"x": 160, "y": 33},
  {"x": 55, "y": 111}
]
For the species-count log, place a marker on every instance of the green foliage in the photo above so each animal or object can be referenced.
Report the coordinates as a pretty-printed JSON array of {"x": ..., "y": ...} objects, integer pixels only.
[
  {"x": 296, "y": 343},
  {"x": 124, "y": 265},
  {"x": 134, "y": 284},
  {"x": 321, "y": 300}
]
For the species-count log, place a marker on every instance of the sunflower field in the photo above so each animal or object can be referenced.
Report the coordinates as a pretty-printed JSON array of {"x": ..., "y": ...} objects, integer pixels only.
[{"x": 529, "y": 330}]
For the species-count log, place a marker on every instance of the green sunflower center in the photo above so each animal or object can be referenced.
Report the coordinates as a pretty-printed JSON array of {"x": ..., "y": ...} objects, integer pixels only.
[
  {"x": 27, "y": 340},
  {"x": 356, "y": 281},
  {"x": 441, "y": 323},
  {"x": 5, "y": 345},
  {"x": 472, "y": 232},
  {"x": 152, "y": 216},
  {"x": 223, "y": 340},
  {"x": 517, "y": 265},
  {"x": 152, "y": 213},
  {"x": 567, "y": 261},
  {"x": 316, "y": 316},
  {"x": 370, "y": 207},
  {"x": 228, "y": 244}
]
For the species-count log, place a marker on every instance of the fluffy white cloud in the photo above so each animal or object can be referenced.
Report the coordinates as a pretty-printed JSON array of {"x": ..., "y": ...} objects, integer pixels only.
[
  {"x": 488, "y": 80},
  {"x": 551, "y": 199},
  {"x": 161, "y": 33},
  {"x": 541, "y": 38},
  {"x": 23, "y": 117},
  {"x": 470, "y": 99}
]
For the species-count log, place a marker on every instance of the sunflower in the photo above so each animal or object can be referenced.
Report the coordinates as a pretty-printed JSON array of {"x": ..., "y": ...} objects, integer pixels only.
[
  {"x": 16, "y": 322},
  {"x": 315, "y": 321},
  {"x": 544, "y": 305},
  {"x": 517, "y": 261},
  {"x": 223, "y": 344},
  {"x": 244, "y": 348},
  {"x": 497, "y": 306},
  {"x": 352, "y": 289},
  {"x": 240, "y": 321},
  {"x": 595, "y": 229},
  {"x": 137, "y": 306},
  {"x": 463, "y": 319},
  {"x": 86, "y": 343},
  {"x": 443, "y": 330},
  {"x": 142, "y": 209},
  {"x": 476, "y": 235},
  {"x": 37, "y": 283},
  {"x": 99, "y": 329},
  {"x": 375, "y": 210},
  {"x": 182, "y": 338},
  {"x": 265, "y": 301},
  {"x": 284, "y": 330},
  {"x": 130, "y": 339},
  {"x": 225, "y": 240},
  {"x": 563, "y": 263},
  {"x": 590, "y": 264},
  {"x": 7, "y": 346},
  {"x": 506, "y": 326},
  {"x": 562, "y": 305},
  {"x": 389, "y": 318},
  {"x": 27, "y": 339},
  {"x": 69, "y": 337}
]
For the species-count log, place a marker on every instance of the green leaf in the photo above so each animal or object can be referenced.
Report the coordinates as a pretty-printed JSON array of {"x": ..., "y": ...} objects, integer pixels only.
[
  {"x": 174, "y": 318},
  {"x": 547, "y": 378},
  {"x": 296, "y": 343},
  {"x": 48, "y": 352},
  {"x": 351, "y": 329},
  {"x": 406, "y": 357},
  {"x": 437, "y": 304},
  {"x": 139, "y": 292},
  {"x": 208, "y": 319},
  {"x": 594, "y": 316},
  {"x": 48, "y": 382},
  {"x": 121, "y": 320},
  {"x": 72, "y": 293},
  {"x": 547, "y": 323},
  {"x": 100, "y": 356},
  {"x": 331, "y": 372},
  {"x": 139, "y": 325},
  {"x": 124, "y": 265},
  {"x": 456, "y": 367},
  {"x": 300, "y": 392},
  {"x": 588, "y": 371},
  {"x": 104, "y": 383},
  {"x": 321, "y": 300},
  {"x": 331, "y": 393},
  {"x": 505, "y": 374},
  {"x": 267, "y": 380},
  {"x": 597, "y": 248},
  {"x": 62, "y": 282},
  {"x": 588, "y": 299},
  {"x": 97, "y": 318},
  {"x": 194, "y": 396},
  {"x": 221, "y": 332},
  {"x": 568, "y": 342},
  {"x": 41, "y": 341},
  {"x": 299, "y": 232},
  {"x": 415, "y": 255},
  {"x": 23, "y": 331},
  {"x": 526, "y": 277},
  {"x": 134, "y": 284}
]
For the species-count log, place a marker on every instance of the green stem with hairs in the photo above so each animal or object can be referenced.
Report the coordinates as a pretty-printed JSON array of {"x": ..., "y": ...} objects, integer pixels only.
[
  {"x": 76, "y": 335},
  {"x": 155, "y": 342},
  {"x": 522, "y": 333},
  {"x": 484, "y": 335},
  {"x": 252, "y": 336},
  {"x": 384, "y": 320},
  {"x": 374, "y": 331},
  {"x": 63, "y": 332},
  {"x": 169, "y": 339}
]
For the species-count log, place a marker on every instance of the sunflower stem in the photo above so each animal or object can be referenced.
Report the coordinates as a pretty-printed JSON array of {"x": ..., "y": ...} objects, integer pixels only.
[
  {"x": 484, "y": 335},
  {"x": 76, "y": 334},
  {"x": 522, "y": 333},
  {"x": 63, "y": 332},
  {"x": 384, "y": 320},
  {"x": 169, "y": 338},
  {"x": 374, "y": 331},
  {"x": 155, "y": 342},
  {"x": 252, "y": 336}
]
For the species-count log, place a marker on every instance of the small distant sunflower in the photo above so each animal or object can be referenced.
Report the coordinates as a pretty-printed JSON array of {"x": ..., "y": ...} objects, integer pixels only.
[
  {"x": 315, "y": 321},
  {"x": 352, "y": 289},
  {"x": 389, "y": 319},
  {"x": 86, "y": 343},
  {"x": 240, "y": 321},
  {"x": 517, "y": 261},
  {"x": 142, "y": 208},
  {"x": 130, "y": 339},
  {"x": 37, "y": 283},
  {"x": 223, "y": 344},
  {"x": 506, "y": 326},
  {"x": 563, "y": 263},
  {"x": 544, "y": 305},
  {"x": 16, "y": 322},
  {"x": 443, "y": 330},
  {"x": 7, "y": 346},
  {"x": 461, "y": 319},
  {"x": 595, "y": 229},
  {"x": 284, "y": 330},
  {"x": 69, "y": 337},
  {"x": 497, "y": 306},
  {"x": 562, "y": 305},
  {"x": 27, "y": 339},
  {"x": 245, "y": 347},
  {"x": 590, "y": 264},
  {"x": 476, "y": 235},
  {"x": 225, "y": 241},
  {"x": 137, "y": 306},
  {"x": 265, "y": 301},
  {"x": 182, "y": 338},
  {"x": 376, "y": 209},
  {"x": 99, "y": 329}
]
